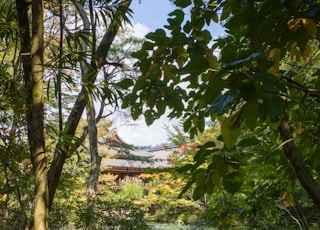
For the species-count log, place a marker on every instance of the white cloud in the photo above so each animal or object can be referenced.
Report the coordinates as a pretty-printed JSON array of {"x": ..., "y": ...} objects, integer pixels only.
[
  {"x": 140, "y": 134},
  {"x": 139, "y": 30}
]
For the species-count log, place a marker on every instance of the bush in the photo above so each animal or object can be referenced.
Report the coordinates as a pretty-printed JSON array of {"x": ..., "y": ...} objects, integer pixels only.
[
  {"x": 131, "y": 188},
  {"x": 112, "y": 215}
]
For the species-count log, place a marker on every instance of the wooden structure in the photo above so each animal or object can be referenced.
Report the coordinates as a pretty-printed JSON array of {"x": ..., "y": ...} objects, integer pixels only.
[{"x": 150, "y": 158}]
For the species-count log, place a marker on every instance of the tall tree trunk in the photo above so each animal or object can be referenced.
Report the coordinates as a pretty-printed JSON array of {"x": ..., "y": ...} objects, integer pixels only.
[
  {"x": 297, "y": 164},
  {"x": 61, "y": 152},
  {"x": 95, "y": 159},
  {"x": 32, "y": 61},
  {"x": 35, "y": 120}
]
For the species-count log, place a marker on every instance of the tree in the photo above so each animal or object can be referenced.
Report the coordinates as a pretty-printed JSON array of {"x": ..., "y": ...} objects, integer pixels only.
[
  {"x": 89, "y": 74},
  {"x": 264, "y": 77},
  {"x": 33, "y": 79},
  {"x": 27, "y": 60}
]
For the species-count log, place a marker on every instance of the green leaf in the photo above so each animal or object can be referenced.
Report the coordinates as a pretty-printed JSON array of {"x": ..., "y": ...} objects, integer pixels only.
[
  {"x": 125, "y": 83},
  {"x": 184, "y": 168},
  {"x": 232, "y": 182},
  {"x": 198, "y": 192},
  {"x": 140, "y": 83},
  {"x": 204, "y": 36},
  {"x": 182, "y": 3},
  {"x": 222, "y": 103},
  {"x": 194, "y": 67},
  {"x": 220, "y": 165},
  {"x": 149, "y": 116},
  {"x": 186, "y": 188},
  {"x": 187, "y": 124},
  {"x": 210, "y": 188},
  {"x": 269, "y": 80},
  {"x": 136, "y": 110},
  {"x": 207, "y": 145},
  {"x": 230, "y": 131},
  {"x": 161, "y": 107},
  {"x": 236, "y": 63},
  {"x": 216, "y": 179},
  {"x": 251, "y": 113},
  {"x": 201, "y": 155},
  {"x": 176, "y": 21},
  {"x": 248, "y": 142},
  {"x": 141, "y": 54},
  {"x": 200, "y": 178},
  {"x": 273, "y": 107},
  {"x": 159, "y": 37}
]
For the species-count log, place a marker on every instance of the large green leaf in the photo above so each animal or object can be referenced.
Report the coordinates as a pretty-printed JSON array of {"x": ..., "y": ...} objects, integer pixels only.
[
  {"x": 248, "y": 142},
  {"x": 237, "y": 63},
  {"x": 269, "y": 80},
  {"x": 251, "y": 113},
  {"x": 272, "y": 108},
  {"x": 159, "y": 37},
  {"x": 230, "y": 131},
  {"x": 186, "y": 188},
  {"x": 198, "y": 192},
  {"x": 125, "y": 83},
  {"x": 222, "y": 103},
  {"x": 182, "y": 3},
  {"x": 200, "y": 178},
  {"x": 232, "y": 182}
]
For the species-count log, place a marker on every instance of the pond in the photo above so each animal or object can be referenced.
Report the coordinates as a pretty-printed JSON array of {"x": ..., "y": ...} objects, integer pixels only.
[{"x": 164, "y": 226}]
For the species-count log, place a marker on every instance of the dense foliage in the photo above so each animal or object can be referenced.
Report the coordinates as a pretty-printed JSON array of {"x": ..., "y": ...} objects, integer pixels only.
[
  {"x": 258, "y": 83},
  {"x": 249, "y": 101}
]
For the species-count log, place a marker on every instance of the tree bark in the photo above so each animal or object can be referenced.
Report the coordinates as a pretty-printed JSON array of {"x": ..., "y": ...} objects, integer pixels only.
[
  {"x": 32, "y": 61},
  {"x": 35, "y": 120},
  {"x": 95, "y": 159},
  {"x": 297, "y": 164},
  {"x": 61, "y": 151}
]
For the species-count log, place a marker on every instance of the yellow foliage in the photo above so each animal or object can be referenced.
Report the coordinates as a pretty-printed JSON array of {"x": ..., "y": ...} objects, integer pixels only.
[
  {"x": 310, "y": 26},
  {"x": 275, "y": 55},
  {"x": 299, "y": 128},
  {"x": 306, "y": 52},
  {"x": 293, "y": 24}
]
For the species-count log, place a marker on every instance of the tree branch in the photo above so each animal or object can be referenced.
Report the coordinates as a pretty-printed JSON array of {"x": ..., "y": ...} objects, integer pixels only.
[
  {"x": 62, "y": 149},
  {"x": 297, "y": 164}
]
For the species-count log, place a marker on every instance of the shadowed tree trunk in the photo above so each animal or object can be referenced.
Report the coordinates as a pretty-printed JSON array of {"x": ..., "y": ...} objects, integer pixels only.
[
  {"x": 35, "y": 120},
  {"x": 32, "y": 61},
  {"x": 297, "y": 164}
]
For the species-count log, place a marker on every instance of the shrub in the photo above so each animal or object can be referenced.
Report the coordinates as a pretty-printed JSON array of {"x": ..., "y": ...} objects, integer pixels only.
[{"x": 112, "y": 215}]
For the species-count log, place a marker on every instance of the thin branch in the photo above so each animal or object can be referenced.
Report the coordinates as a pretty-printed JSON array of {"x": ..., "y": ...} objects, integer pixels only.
[{"x": 296, "y": 85}]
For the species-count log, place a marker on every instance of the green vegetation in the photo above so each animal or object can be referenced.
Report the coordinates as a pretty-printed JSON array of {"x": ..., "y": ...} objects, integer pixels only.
[{"x": 248, "y": 102}]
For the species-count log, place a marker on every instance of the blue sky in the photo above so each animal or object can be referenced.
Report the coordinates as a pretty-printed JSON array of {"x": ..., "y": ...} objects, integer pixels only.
[{"x": 151, "y": 13}]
